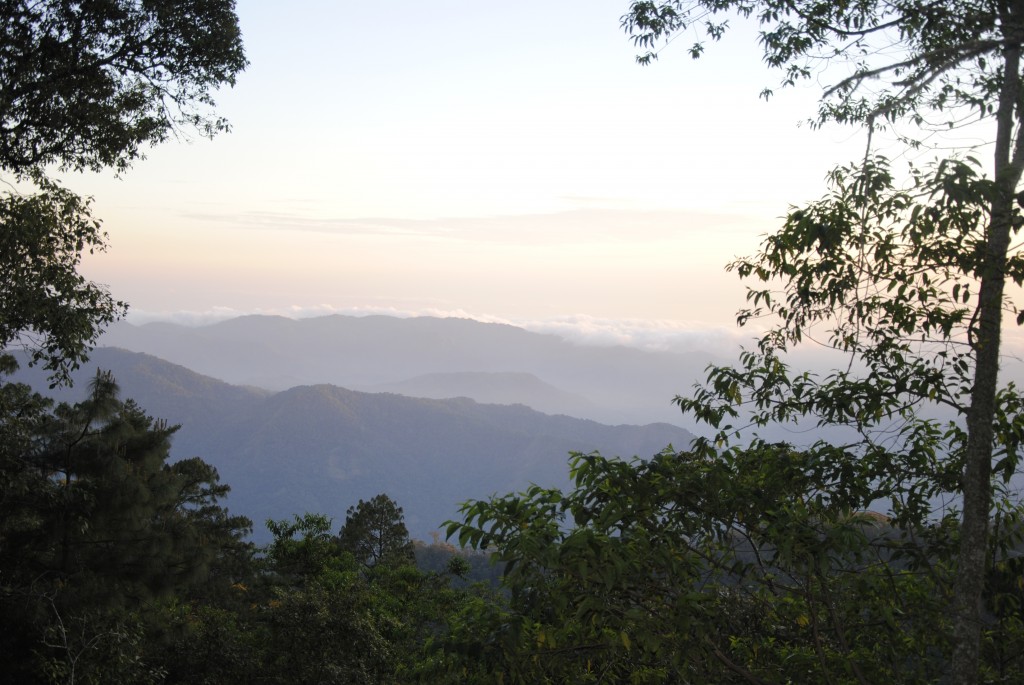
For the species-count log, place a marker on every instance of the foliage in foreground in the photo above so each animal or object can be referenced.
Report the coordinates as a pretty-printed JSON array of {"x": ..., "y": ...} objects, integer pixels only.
[
  {"x": 748, "y": 565},
  {"x": 757, "y": 562},
  {"x": 920, "y": 70},
  {"x": 96, "y": 529},
  {"x": 117, "y": 565},
  {"x": 89, "y": 85}
]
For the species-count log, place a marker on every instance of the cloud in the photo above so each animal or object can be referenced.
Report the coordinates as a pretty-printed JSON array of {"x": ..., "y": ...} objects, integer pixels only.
[
  {"x": 645, "y": 334},
  {"x": 582, "y": 329},
  {"x": 577, "y": 226},
  {"x": 654, "y": 335}
]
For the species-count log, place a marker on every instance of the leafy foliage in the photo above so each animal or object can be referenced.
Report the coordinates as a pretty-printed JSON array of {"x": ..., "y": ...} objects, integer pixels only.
[
  {"x": 45, "y": 303},
  {"x": 84, "y": 85},
  {"x": 301, "y": 548},
  {"x": 885, "y": 277},
  {"x": 933, "y": 66},
  {"x": 315, "y": 615},
  {"x": 754, "y": 564},
  {"x": 887, "y": 61}
]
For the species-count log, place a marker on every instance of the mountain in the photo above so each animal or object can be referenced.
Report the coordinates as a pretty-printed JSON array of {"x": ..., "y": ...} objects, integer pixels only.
[
  {"x": 321, "y": 448},
  {"x": 492, "y": 388},
  {"x": 427, "y": 356}
]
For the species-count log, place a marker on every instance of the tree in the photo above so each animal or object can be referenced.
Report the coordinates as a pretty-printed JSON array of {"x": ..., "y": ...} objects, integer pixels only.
[
  {"x": 97, "y": 524},
  {"x": 753, "y": 564},
  {"x": 44, "y": 302},
  {"x": 321, "y": 623},
  {"x": 87, "y": 86},
  {"x": 375, "y": 533},
  {"x": 926, "y": 66},
  {"x": 302, "y": 548}
]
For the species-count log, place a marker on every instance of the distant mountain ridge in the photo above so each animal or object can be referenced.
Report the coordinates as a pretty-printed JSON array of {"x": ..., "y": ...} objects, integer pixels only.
[
  {"x": 321, "y": 448},
  {"x": 427, "y": 356},
  {"x": 492, "y": 388}
]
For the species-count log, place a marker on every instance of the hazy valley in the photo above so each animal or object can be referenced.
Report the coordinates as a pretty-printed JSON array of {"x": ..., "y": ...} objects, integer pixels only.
[
  {"x": 429, "y": 357},
  {"x": 473, "y": 419}
]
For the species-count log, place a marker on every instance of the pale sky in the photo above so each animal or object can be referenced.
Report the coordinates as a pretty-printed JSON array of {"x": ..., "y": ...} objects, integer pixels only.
[{"x": 504, "y": 161}]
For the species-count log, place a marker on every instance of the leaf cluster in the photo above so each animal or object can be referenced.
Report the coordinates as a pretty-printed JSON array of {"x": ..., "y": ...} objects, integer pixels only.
[
  {"x": 884, "y": 61},
  {"x": 884, "y": 277},
  {"x": 45, "y": 303},
  {"x": 756, "y": 564},
  {"x": 84, "y": 85}
]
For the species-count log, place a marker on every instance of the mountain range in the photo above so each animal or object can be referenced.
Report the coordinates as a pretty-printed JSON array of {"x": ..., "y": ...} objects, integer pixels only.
[
  {"x": 320, "y": 447},
  {"x": 429, "y": 357}
]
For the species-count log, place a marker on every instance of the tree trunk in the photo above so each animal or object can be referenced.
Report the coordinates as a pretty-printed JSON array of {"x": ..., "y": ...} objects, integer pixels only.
[{"x": 977, "y": 475}]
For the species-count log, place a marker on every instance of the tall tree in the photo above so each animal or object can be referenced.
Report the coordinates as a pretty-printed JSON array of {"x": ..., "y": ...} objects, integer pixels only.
[
  {"x": 87, "y": 85},
  {"x": 96, "y": 522},
  {"x": 375, "y": 533},
  {"x": 94, "y": 519},
  {"x": 918, "y": 67}
]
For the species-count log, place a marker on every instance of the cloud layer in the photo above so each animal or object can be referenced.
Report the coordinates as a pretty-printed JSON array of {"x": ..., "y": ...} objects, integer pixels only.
[{"x": 656, "y": 335}]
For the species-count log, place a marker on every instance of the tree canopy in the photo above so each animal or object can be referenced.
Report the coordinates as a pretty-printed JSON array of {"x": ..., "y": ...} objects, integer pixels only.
[
  {"x": 375, "y": 533},
  {"x": 84, "y": 85},
  {"x": 96, "y": 523},
  {"x": 747, "y": 565},
  {"x": 45, "y": 303},
  {"x": 916, "y": 61},
  {"x": 918, "y": 67},
  {"x": 87, "y": 85}
]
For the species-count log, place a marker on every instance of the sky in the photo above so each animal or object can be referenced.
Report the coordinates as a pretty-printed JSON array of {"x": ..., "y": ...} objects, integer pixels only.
[{"x": 502, "y": 161}]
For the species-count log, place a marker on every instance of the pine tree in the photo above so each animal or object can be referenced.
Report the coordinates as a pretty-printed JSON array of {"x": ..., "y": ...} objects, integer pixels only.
[
  {"x": 100, "y": 523},
  {"x": 375, "y": 533}
]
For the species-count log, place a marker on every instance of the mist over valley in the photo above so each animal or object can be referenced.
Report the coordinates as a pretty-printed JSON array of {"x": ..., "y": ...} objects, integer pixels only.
[{"x": 449, "y": 409}]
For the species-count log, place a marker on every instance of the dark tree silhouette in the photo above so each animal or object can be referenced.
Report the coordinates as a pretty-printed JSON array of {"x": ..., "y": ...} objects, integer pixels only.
[{"x": 375, "y": 533}]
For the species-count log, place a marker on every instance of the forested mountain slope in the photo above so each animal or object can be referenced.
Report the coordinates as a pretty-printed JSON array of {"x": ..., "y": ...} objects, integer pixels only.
[
  {"x": 428, "y": 356},
  {"x": 320, "y": 448}
]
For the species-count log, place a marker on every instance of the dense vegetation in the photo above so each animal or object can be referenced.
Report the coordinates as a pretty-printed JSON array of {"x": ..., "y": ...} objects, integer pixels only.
[
  {"x": 117, "y": 566},
  {"x": 908, "y": 279},
  {"x": 736, "y": 560}
]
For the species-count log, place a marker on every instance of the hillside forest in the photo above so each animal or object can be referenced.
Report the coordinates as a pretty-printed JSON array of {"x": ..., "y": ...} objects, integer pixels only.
[{"x": 891, "y": 556}]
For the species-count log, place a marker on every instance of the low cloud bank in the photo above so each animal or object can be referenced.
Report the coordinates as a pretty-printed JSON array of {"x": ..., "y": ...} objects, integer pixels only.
[
  {"x": 646, "y": 334},
  {"x": 654, "y": 335}
]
